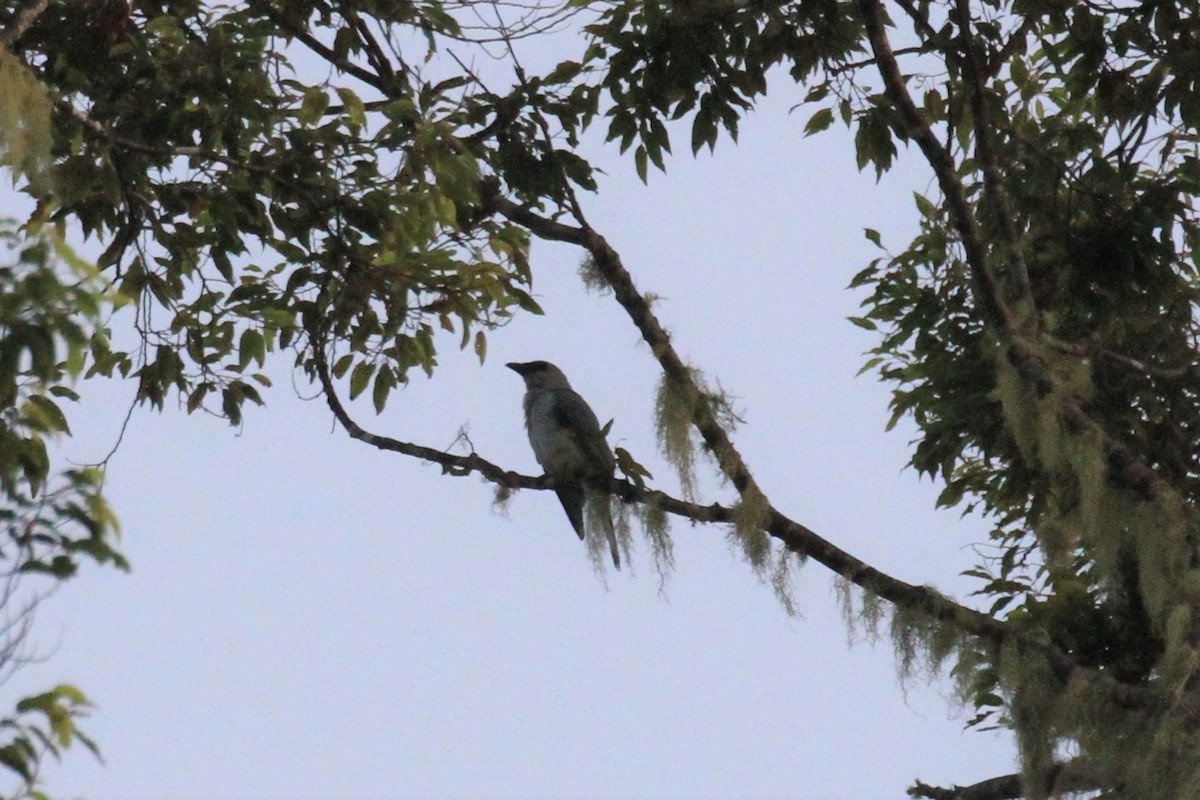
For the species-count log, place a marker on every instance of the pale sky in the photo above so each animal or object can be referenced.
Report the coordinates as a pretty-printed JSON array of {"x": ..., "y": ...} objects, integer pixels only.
[{"x": 308, "y": 617}]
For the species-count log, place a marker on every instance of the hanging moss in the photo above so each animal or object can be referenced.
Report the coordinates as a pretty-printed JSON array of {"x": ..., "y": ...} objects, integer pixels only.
[
  {"x": 751, "y": 515},
  {"x": 844, "y": 591},
  {"x": 921, "y": 644},
  {"x": 862, "y": 611},
  {"x": 1034, "y": 700},
  {"x": 673, "y": 407},
  {"x": 622, "y": 527},
  {"x": 1178, "y": 665},
  {"x": 597, "y": 517},
  {"x": 593, "y": 279},
  {"x": 1158, "y": 530},
  {"x": 782, "y": 574},
  {"x": 501, "y": 497},
  {"x": 1014, "y": 400},
  {"x": 658, "y": 533}
]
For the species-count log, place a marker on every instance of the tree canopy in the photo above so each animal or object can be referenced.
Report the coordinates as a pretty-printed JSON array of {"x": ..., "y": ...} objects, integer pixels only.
[{"x": 331, "y": 183}]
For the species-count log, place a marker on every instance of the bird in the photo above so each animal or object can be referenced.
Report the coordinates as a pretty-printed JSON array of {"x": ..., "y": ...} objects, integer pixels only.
[{"x": 568, "y": 443}]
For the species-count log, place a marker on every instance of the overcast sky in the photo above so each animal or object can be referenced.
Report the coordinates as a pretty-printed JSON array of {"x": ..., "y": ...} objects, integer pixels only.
[{"x": 308, "y": 617}]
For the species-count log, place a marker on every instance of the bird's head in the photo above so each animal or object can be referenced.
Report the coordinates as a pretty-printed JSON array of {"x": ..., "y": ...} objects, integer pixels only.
[{"x": 539, "y": 374}]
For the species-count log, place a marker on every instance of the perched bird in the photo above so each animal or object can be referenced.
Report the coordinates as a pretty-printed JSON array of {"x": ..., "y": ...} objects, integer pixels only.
[{"x": 568, "y": 443}]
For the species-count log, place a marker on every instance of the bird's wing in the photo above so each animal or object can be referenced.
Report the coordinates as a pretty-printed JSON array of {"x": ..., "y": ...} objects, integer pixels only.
[{"x": 575, "y": 417}]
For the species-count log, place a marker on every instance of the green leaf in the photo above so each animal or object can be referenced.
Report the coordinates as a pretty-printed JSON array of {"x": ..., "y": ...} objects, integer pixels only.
[
  {"x": 312, "y": 106},
  {"x": 196, "y": 398},
  {"x": 925, "y": 206},
  {"x": 564, "y": 72},
  {"x": 17, "y": 760},
  {"x": 630, "y": 468},
  {"x": 35, "y": 463},
  {"x": 819, "y": 121},
  {"x": 251, "y": 347},
  {"x": 480, "y": 345},
  {"x": 360, "y": 377},
  {"x": 385, "y": 381},
  {"x": 342, "y": 364},
  {"x": 356, "y": 112},
  {"x": 950, "y": 495},
  {"x": 63, "y": 391},
  {"x": 863, "y": 322},
  {"x": 869, "y": 365},
  {"x": 48, "y": 416}
]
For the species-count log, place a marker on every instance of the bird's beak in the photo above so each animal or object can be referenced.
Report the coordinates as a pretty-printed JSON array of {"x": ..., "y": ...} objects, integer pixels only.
[{"x": 516, "y": 367}]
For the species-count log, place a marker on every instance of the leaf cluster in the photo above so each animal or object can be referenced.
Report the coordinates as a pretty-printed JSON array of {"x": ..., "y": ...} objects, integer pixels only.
[
  {"x": 42, "y": 724},
  {"x": 50, "y": 307},
  {"x": 669, "y": 59}
]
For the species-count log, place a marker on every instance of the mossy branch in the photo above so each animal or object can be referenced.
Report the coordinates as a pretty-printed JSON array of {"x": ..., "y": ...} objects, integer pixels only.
[{"x": 1065, "y": 778}]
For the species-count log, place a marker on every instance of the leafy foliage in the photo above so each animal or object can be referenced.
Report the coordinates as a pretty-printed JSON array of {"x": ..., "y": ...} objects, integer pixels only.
[
  {"x": 49, "y": 312},
  {"x": 50, "y": 307},
  {"x": 310, "y": 176},
  {"x": 43, "y": 725}
]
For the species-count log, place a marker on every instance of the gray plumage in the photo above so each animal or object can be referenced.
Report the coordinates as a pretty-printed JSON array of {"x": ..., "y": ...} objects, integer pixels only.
[{"x": 568, "y": 443}]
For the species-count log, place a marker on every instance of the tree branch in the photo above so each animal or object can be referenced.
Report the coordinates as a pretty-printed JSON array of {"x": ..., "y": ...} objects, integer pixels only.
[
  {"x": 961, "y": 216},
  {"x": 1064, "y": 778},
  {"x": 974, "y": 76},
  {"x": 795, "y": 536},
  {"x": 24, "y": 17},
  {"x": 920, "y": 21},
  {"x": 375, "y": 54},
  {"x": 1126, "y": 468},
  {"x": 380, "y": 82},
  {"x": 608, "y": 262}
]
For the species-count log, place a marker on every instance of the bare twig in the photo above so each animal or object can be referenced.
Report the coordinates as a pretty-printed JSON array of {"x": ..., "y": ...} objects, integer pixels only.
[
  {"x": 375, "y": 54},
  {"x": 1090, "y": 349}
]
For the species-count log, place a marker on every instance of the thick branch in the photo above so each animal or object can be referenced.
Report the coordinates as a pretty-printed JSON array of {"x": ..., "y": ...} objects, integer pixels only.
[
  {"x": 380, "y": 82},
  {"x": 451, "y": 464},
  {"x": 608, "y": 262},
  {"x": 1067, "y": 778},
  {"x": 793, "y": 535},
  {"x": 961, "y": 215},
  {"x": 920, "y": 21},
  {"x": 975, "y": 75},
  {"x": 375, "y": 54},
  {"x": 796, "y": 537},
  {"x": 25, "y": 16},
  {"x": 1126, "y": 468}
]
